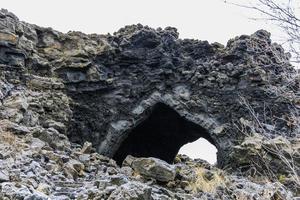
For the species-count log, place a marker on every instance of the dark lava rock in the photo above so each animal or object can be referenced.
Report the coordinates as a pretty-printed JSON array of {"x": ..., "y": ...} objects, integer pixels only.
[{"x": 146, "y": 92}]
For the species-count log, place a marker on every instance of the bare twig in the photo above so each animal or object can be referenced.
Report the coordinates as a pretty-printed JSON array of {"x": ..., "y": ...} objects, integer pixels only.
[
  {"x": 285, "y": 157},
  {"x": 284, "y": 15}
]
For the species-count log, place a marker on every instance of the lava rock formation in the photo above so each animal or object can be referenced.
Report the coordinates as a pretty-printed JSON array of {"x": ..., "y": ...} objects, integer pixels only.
[{"x": 145, "y": 92}]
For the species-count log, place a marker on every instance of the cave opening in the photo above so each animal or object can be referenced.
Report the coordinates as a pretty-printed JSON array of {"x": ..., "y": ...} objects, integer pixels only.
[
  {"x": 160, "y": 135},
  {"x": 208, "y": 151}
]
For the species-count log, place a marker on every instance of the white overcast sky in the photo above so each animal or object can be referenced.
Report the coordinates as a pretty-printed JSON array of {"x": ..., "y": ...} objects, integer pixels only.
[{"x": 211, "y": 20}]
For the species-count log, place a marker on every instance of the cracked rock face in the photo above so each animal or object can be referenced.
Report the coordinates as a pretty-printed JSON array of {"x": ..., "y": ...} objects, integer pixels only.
[{"x": 143, "y": 87}]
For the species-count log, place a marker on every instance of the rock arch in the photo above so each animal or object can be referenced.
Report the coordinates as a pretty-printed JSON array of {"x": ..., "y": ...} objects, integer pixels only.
[
  {"x": 161, "y": 134},
  {"x": 99, "y": 88},
  {"x": 106, "y": 88}
]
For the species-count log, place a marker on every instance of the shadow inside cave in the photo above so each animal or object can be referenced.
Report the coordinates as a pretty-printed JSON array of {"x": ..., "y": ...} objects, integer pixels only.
[{"x": 160, "y": 135}]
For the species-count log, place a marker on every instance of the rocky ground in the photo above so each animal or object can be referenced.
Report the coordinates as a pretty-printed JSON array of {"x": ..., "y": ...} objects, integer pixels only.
[
  {"x": 70, "y": 102},
  {"x": 33, "y": 167}
]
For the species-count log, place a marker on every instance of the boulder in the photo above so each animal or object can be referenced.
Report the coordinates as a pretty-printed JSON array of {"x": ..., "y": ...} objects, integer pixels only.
[{"x": 154, "y": 168}]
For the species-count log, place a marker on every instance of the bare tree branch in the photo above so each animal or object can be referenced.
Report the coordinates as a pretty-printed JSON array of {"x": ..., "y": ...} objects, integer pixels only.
[{"x": 284, "y": 16}]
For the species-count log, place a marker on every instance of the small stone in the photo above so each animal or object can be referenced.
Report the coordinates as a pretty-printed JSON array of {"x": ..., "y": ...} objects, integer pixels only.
[
  {"x": 73, "y": 169},
  {"x": 84, "y": 158},
  {"x": 171, "y": 184},
  {"x": 53, "y": 138},
  {"x": 44, "y": 188},
  {"x": 18, "y": 129},
  {"x": 4, "y": 177},
  {"x": 126, "y": 170},
  {"x": 87, "y": 147},
  {"x": 184, "y": 184},
  {"x": 37, "y": 144},
  {"x": 37, "y": 196},
  {"x": 14, "y": 191},
  {"x": 131, "y": 190},
  {"x": 154, "y": 168},
  {"x": 118, "y": 179},
  {"x": 128, "y": 161},
  {"x": 111, "y": 170},
  {"x": 208, "y": 175},
  {"x": 65, "y": 158},
  {"x": 31, "y": 181}
]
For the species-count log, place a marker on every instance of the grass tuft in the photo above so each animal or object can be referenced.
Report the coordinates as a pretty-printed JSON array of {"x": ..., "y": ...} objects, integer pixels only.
[{"x": 207, "y": 180}]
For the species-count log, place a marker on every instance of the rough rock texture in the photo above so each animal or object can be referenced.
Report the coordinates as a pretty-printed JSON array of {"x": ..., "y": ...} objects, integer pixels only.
[
  {"x": 154, "y": 168},
  {"x": 143, "y": 92},
  {"x": 35, "y": 170}
]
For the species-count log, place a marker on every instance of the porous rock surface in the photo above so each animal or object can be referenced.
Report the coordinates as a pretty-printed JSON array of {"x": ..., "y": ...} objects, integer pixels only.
[{"x": 58, "y": 91}]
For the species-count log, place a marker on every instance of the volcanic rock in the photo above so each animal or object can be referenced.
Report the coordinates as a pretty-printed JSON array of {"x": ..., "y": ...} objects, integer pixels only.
[{"x": 74, "y": 106}]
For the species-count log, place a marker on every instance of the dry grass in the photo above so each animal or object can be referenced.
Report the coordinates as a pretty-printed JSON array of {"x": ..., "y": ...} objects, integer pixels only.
[
  {"x": 8, "y": 138},
  {"x": 208, "y": 185},
  {"x": 11, "y": 143}
]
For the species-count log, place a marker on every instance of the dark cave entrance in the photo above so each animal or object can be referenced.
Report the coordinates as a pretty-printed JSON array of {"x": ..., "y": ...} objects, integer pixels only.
[{"x": 160, "y": 135}]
